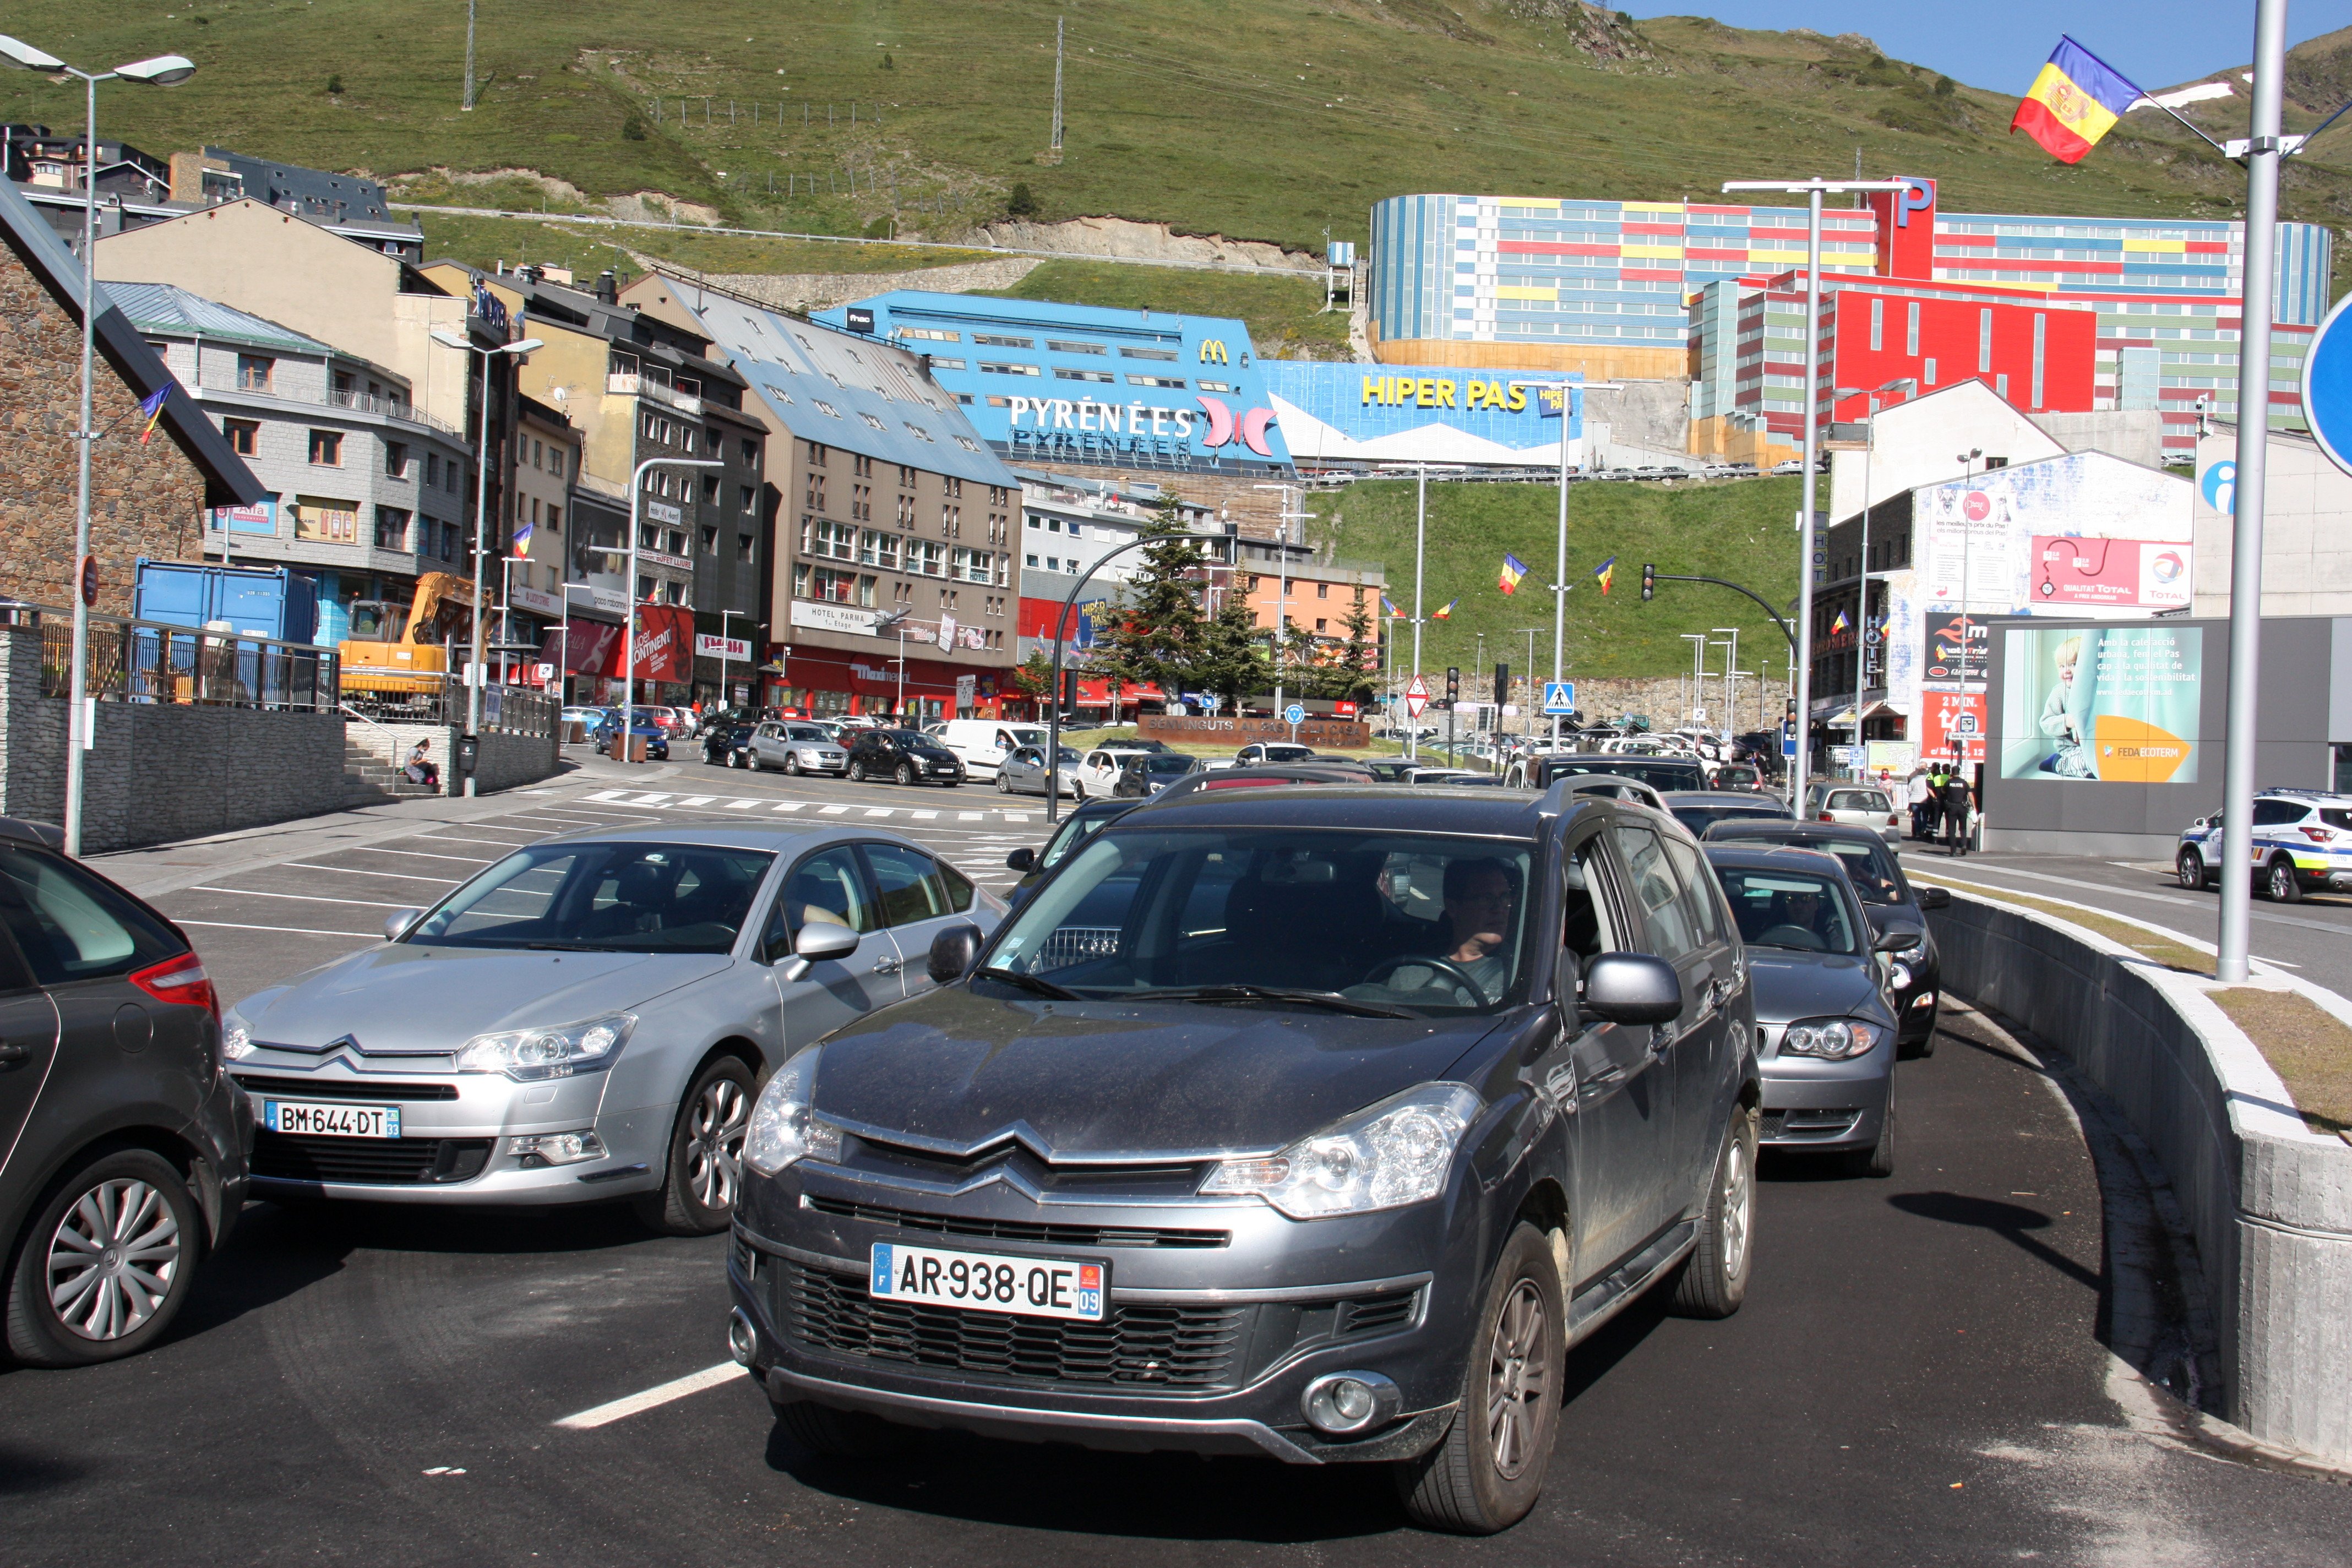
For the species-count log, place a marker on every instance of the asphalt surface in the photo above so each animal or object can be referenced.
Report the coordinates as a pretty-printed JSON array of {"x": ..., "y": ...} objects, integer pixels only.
[{"x": 1918, "y": 1376}]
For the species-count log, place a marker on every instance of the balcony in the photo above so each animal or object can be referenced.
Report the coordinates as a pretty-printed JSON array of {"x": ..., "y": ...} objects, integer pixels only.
[
  {"x": 351, "y": 402},
  {"x": 629, "y": 384}
]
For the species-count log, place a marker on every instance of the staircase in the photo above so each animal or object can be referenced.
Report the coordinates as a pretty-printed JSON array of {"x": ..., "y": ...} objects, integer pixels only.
[{"x": 370, "y": 778}]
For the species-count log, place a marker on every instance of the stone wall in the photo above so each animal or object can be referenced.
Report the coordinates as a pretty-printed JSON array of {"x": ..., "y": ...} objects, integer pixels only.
[
  {"x": 144, "y": 499},
  {"x": 1663, "y": 698},
  {"x": 506, "y": 761}
]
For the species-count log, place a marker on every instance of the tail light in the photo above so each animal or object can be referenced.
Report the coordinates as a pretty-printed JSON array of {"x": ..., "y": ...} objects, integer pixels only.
[
  {"x": 2320, "y": 835},
  {"x": 1828, "y": 817},
  {"x": 181, "y": 982},
  {"x": 1892, "y": 820}
]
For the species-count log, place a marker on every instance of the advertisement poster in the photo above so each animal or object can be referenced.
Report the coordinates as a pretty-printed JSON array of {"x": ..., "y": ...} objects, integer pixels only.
[
  {"x": 1902, "y": 647},
  {"x": 665, "y": 643},
  {"x": 1949, "y": 661},
  {"x": 2083, "y": 532},
  {"x": 2073, "y": 573},
  {"x": 2117, "y": 704},
  {"x": 261, "y": 517},
  {"x": 1950, "y": 717}
]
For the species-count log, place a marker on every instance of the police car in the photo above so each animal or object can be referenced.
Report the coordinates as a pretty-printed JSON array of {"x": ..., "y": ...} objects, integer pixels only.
[{"x": 2303, "y": 841}]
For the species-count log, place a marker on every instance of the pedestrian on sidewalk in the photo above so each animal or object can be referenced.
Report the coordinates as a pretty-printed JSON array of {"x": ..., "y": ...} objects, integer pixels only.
[
  {"x": 1959, "y": 801},
  {"x": 1919, "y": 794},
  {"x": 421, "y": 769}
]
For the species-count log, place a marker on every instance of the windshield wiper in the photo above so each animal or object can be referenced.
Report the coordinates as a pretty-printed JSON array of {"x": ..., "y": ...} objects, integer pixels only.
[
  {"x": 1329, "y": 999},
  {"x": 1026, "y": 982}
]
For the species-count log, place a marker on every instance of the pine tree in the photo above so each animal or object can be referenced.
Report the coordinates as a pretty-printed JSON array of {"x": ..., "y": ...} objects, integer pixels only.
[
  {"x": 1154, "y": 633},
  {"x": 1357, "y": 671},
  {"x": 1033, "y": 676},
  {"x": 1233, "y": 663}
]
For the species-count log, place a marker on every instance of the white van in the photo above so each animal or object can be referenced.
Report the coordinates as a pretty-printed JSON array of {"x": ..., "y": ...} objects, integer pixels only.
[{"x": 984, "y": 742}]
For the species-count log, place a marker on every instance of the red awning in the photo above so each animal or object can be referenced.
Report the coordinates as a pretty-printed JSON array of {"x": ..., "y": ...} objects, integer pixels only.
[{"x": 1096, "y": 694}]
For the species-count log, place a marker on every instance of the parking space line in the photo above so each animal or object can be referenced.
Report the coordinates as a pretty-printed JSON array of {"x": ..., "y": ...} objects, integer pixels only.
[
  {"x": 299, "y": 898},
  {"x": 651, "y": 1398},
  {"x": 355, "y": 871},
  {"x": 297, "y": 931},
  {"x": 420, "y": 854},
  {"x": 495, "y": 843},
  {"x": 790, "y": 804},
  {"x": 832, "y": 810}
]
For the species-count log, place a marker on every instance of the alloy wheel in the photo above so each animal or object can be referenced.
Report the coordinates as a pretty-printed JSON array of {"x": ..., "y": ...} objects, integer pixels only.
[
  {"x": 2192, "y": 870},
  {"x": 715, "y": 1144},
  {"x": 112, "y": 1259},
  {"x": 793, "y": 763},
  {"x": 1738, "y": 1207},
  {"x": 1517, "y": 1373},
  {"x": 906, "y": 772}
]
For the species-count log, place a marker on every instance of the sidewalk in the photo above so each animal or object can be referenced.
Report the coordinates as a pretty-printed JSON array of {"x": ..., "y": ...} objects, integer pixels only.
[{"x": 160, "y": 869}]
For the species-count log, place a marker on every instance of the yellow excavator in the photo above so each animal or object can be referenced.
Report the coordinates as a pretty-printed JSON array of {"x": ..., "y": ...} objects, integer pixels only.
[{"x": 401, "y": 649}]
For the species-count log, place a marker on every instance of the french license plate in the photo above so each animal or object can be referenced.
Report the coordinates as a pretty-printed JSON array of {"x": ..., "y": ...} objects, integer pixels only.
[
  {"x": 331, "y": 1121},
  {"x": 989, "y": 1282}
]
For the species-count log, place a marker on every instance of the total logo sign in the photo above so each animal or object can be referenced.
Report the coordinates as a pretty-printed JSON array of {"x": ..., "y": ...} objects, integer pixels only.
[{"x": 1223, "y": 426}]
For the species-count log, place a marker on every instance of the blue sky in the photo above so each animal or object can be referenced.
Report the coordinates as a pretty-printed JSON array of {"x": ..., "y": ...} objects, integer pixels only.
[{"x": 2000, "y": 44}]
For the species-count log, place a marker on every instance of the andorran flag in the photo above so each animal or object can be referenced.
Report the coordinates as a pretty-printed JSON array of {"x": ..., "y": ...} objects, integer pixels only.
[
  {"x": 1837, "y": 627},
  {"x": 1390, "y": 610},
  {"x": 1513, "y": 570},
  {"x": 2077, "y": 99},
  {"x": 1606, "y": 572},
  {"x": 1447, "y": 613}
]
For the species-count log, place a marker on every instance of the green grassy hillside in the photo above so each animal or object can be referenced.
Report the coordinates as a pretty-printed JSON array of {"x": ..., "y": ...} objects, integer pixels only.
[
  {"x": 1272, "y": 121},
  {"x": 1738, "y": 530}
]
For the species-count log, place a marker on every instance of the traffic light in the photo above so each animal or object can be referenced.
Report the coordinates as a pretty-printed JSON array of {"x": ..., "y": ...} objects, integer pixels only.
[
  {"x": 1502, "y": 684},
  {"x": 1452, "y": 683},
  {"x": 1069, "y": 692},
  {"x": 1649, "y": 581}
]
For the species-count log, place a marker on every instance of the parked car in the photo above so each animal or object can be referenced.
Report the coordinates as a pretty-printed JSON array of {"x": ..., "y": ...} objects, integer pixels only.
[
  {"x": 1915, "y": 978},
  {"x": 1700, "y": 809},
  {"x": 122, "y": 1141},
  {"x": 1023, "y": 773},
  {"x": 1660, "y": 774},
  {"x": 586, "y": 717},
  {"x": 1268, "y": 751},
  {"x": 984, "y": 744},
  {"x": 607, "y": 736},
  {"x": 2303, "y": 842},
  {"x": 1142, "y": 775},
  {"x": 1349, "y": 1221},
  {"x": 729, "y": 745},
  {"x": 1743, "y": 778},
  {"x": 908, "y": 756},
  {"x": 1098, "y": 773},
  {"x": 1856, "y": 805},
  {"x": 1083, "y": 823},
  {"x": 1825, "y": 1028},
  {"x": 1390, "y": 770},
  {"x": 797, "y": 746},
  {"x": 588, "y": 1018}
]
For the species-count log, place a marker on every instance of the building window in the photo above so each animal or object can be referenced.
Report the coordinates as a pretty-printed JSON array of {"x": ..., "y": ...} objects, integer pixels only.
[
  {"x": 709, "y": 489},
  {"x": 1322, "y": 590},
  {"x": 745, "y": 549},
  {"x": 391, "y": 528},
  {"x": 710, "y": 539},
  {"x": 861, "y": 502},
  {"x": 815, "y": 455},
  {"x": 925, "y": 557},
  {"x": 1877, "y": 325},
  {"x": 877, "y": 548},
  {"x": 327, "y": 448},
  {"x": 255, "y": 371},
  {"x": 837, "y": 539},
  {"x": 862, "y": 467},
  {"x": 555, "y": 519},
  {"x": 395, "y": 460},
  {"x": 749, "y": 448},
  {"x": 751, "y": 498},
  {"x": 244, "y": 435},
  {"x": 555, "y": 461},
  {"x": 816, "y": 492},
  {"x": 952, "y": 489},
  {"x": 1911, "y": 333},
  {"x": 832, "y": 587},
  {"x": 1322, "y": 625}
]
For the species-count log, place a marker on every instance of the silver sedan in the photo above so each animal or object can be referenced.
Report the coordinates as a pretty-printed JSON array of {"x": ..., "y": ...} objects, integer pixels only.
[
  {"x": 797, "y": 747},
  {"x": 1023, "y": 773},
  {"x": 588, "y": 1018}
]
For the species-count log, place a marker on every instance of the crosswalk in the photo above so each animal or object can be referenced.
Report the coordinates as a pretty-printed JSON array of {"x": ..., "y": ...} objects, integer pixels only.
[{"x": 660, "y": 800}]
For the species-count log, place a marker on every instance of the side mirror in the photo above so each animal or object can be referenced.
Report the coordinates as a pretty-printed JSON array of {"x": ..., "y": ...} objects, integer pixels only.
[
  {"x": 1632, "y": 988},
  {"x": 1935, "y": 898},
  {"x": 1024, "y": 860},
  {"x": 1895, "y": 939},
  {"x": 397, "y": 924},
  {"x": 953, "y": 952},
  {"x": 818, "y": 941}
]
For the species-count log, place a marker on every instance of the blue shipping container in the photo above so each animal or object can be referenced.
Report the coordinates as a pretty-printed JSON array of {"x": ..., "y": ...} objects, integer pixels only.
[{"x": 256, "y": 601}]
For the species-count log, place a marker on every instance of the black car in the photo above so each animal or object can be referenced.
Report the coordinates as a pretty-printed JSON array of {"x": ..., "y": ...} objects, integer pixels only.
[
  {"x": 1889, "y": 899},
  {"x": 1315, "y": 1121},
  {"x": 908, "y": 756},
  {"x": 729, "y": 745},
  {"x": 122, "y": 1140},
  {"x": 1084, "y": 820},
  {"x": 1145, "y": 775},
  {"x": 1699, "y": 810},
  {"x": 1660, "y": 773},
  {"x": 1391, "y": 770}
]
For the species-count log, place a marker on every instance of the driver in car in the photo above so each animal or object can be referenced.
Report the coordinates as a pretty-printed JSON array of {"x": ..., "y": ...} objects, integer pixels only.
[
  {"x": 1481, "y": 902},
  {"x": 1803, "y": 910}
]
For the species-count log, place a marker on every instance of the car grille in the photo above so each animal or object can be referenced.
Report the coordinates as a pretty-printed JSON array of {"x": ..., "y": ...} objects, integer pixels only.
[
  {"x": 1146, "y": 1347},
  {"x": 1058, "y": 1233},
  {"x": 389, "y": 1162},
  {"x": 344, "y": 1089}
]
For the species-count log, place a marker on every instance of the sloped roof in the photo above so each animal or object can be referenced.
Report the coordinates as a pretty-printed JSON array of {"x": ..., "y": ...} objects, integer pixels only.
[
  {"x": 168, "y": 308},
  {"x": 227, "y": 481}
]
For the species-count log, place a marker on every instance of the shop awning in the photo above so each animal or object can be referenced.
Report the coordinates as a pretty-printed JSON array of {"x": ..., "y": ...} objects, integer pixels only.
[{"x": 1096, "y": 694}]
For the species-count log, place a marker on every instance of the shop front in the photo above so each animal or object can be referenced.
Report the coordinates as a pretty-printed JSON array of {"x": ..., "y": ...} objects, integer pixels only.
[
  {"x": 591, "y": 654},
  {"x": 825, "y": 683}
]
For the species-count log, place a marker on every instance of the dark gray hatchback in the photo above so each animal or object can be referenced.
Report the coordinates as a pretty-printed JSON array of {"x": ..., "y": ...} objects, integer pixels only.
[{"x": 1308, "y": 1120}]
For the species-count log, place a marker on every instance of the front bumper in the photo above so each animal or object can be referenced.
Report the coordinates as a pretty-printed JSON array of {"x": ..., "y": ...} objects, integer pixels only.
[{"x": 1814, "y": 1104}]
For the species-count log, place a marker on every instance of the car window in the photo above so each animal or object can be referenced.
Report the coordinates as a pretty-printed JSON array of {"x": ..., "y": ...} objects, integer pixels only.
[
  {"x": 1698, "y": 893},
  {"x": 2335, "y": 817},
  {"x": 1075, "y": 832},
  {"x": 804, "y": 733},
  {"x": 1673, "y": 932},
  {"x": 828, "y": 889},
  {"x": 71, "y": 926},
  {"x": 909, "y": 883},
  {"x": 1797, "y": 909},
  {"x": 1868, "y": 866},
  {"x": 2276, "y": 813},
  {"x": 1857, "y": 800},
  {"x": 604, "y": 898},
  {"x": 1584, "y": 925}
]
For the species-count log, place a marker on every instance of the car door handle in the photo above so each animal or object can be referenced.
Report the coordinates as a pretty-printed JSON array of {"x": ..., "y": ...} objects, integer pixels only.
[
  {"x": 1595, "y": 1082},
  {"x": 886, "y": 966},
  {"x": 10, "y": 1056}
]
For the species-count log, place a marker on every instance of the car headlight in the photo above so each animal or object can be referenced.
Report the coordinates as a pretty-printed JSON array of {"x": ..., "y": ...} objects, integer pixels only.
[
  {"x": 1382, "y": 1157},
  {"x": 237, "y": 1036},
  {"x": 558, "y": 1052},
  {"x": 784, "y": 1128},
  {"x": 1833, "y": 1039}
]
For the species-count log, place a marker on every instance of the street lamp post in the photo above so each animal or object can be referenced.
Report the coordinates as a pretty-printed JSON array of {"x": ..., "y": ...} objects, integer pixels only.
[
  {"x": 1730, "y": 657},
  {"x": 1801, "y": 678},
  {"x": 1282, "y": 590},
  {"x": 629, "y": 631},
  {"x": 163, "y": 70},
  {"x": 449, "y": 339},
  {"x": 1869, "y": 451},
  {"x": 724, "y": 615}
]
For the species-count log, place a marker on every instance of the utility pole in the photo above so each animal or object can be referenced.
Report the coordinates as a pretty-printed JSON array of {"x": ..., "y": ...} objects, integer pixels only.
[
  {"x": 469, "y": 104},
  {"x": 1056, "y": 145}
]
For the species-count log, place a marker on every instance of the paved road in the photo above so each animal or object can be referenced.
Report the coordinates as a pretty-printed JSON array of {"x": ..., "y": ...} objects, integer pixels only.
[{"x": 1918, "y": 1377}]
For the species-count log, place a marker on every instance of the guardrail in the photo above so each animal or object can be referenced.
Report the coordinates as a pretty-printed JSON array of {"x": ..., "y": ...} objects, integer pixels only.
[
  {"x": 381, "y": 696},
  {"x": 155, "y": 662}
]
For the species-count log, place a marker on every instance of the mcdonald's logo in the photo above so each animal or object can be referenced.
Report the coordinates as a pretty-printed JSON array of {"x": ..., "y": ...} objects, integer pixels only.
[{"x": 1212, "y": 352}]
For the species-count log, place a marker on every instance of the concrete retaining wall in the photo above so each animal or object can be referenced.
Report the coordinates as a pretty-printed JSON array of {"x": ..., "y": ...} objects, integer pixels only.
[
  {"x": 507, "y": 760},
  {"x": 2269, "y": 1201}
]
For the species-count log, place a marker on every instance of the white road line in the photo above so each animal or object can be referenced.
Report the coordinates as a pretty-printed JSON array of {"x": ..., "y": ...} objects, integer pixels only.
[
  {"x": 744, "y": 804},
  {"x": 1017, "y": 816},
  {"x": 299, "y": 898},
  {"x": 832, "y": 810},
  {"x": 608, "y": 795},
  {"x": 882, "y": 811},
  {"x": 649, "y": 799},
  {"x": 925, "y": 816},
  {"x": 355, "y": 871},
  {"x": 654, "y": 1397},
  {"x": 496, "y": 843},
  {"x": 971, "y": 817},
  {"x": 419, "y": 854},
  {"x": 697, "y": 800},
  {"x": 790, "y": 804},
  {"x": 297, "y": 931}
]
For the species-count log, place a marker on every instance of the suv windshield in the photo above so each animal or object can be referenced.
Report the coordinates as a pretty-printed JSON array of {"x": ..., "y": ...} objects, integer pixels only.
[
  {"x": 1699, "y": 818},
  {"x": 603, "y": 898},
  {"x": 1796, "y": 909},
  {"x": 1393, "y": 921},
  {"x": 1659, "y": 773}
]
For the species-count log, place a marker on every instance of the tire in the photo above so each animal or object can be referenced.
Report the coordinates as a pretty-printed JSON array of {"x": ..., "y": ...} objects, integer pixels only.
[
  {"x": 857, "y": 772},
  {"x": 842, "y": 1434},
  {"x": 1925, "y": 1046},
  {"x": 2190, "y": 869},
  {"x": 704, "y": 1171},
  {"x": 2281, "y": 883},
  {"x": 792, "y": 764},
  {"x": 1004, "y": 785},
  {"x": 1486, "y": 1473},
  {"x": 733, "y": 759},
  {"x": 904, "y": 774},
  {"x": 1713, "y": 1281},
  {"x": 1877, "y": 1162},
  {"x": 120, "y": 1305}
]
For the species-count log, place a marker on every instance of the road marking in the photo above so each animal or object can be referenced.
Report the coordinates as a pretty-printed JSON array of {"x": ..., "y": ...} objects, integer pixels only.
[
  {"x": 608, "y": 795},
  {"x": 925, "y": 816},
  {"x": 499, "y": 843},
  {"x": 2144, "y": 893},
  {"x": 420, "y": 854},
  {"x": 1017, "y": 816},
  {"x": 355, "y": 871},
  {"x": 832, "y": 810},
  {"x": 297, "y": 931},
  {"x": 882, "y": 811},
  {"x": 790, "y": 804},
  {"x": 971, "y": 817},
  {"x": 302, "y": 898},
  {"x": 744, "y": 804},
  {"x": 653, "y": 799},
  {"x": 654, "y": 1397},
  {"x": 697, "y": 800}
]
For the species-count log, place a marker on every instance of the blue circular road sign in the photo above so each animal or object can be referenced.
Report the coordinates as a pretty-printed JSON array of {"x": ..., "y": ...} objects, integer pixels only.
[
  {"x": 2327, "y": 387},
  {"x": 1294, "y": 714}
]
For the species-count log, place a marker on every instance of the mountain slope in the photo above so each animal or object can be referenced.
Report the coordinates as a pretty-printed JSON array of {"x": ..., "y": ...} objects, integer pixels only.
[{"x": 1267, "y": 121}]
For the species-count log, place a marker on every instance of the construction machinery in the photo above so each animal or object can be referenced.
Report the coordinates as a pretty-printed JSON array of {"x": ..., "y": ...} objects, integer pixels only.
[{"x": 399, "y": 654}]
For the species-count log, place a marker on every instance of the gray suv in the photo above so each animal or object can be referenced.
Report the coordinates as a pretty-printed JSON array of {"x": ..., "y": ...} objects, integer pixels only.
[{"x": 1311, "y": 1120}]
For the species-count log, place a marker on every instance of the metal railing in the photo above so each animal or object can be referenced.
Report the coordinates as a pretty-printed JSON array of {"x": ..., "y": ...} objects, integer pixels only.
[
  {"x": 152, "y": 661},
  {"x": 384, "y": 696}
]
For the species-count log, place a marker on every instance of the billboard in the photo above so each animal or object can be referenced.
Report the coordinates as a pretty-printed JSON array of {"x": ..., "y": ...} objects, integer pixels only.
[
  {"x": 261, "y": 517},
  {"x": 1950, "y": 720},
  {"x": 1434, "y": 414},
  {"x": 2068, "y": 535},
  {"x": 2115, "y": 705}
]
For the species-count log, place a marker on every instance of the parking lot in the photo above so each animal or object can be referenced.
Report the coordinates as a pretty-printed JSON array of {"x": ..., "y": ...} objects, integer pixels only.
[{"x": 1919, "y": 1375}]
